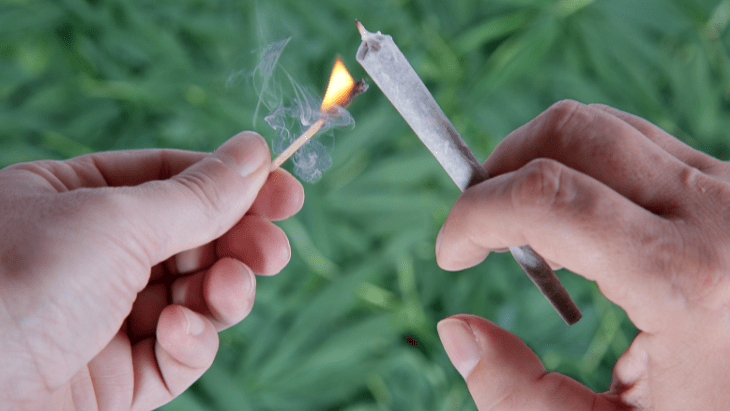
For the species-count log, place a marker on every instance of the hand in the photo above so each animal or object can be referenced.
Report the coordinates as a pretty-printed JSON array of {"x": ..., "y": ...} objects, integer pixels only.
[
  {"x": 118, "y": 268},
  {"x": 617, "y": 200}
]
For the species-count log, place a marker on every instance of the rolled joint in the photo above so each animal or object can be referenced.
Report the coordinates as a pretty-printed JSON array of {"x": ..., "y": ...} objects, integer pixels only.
[
  {"x": 370, "y": 41},
  {"x": 547, "y": 282}
]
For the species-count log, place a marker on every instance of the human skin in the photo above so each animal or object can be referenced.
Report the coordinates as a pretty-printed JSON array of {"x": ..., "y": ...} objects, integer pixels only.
[
  {"x": 117, "y": 270},
  {"x": 619, "y": 201}
]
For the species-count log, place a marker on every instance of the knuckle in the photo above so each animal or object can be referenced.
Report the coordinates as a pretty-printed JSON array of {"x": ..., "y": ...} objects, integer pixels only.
[
  {"x": 687, "y": 263},
  {"x": 570, "y": 126},
  {"x": 666, "y": 259},
  {"x": 600, "y": 106},
  {"x": 565, "y": 106},
  {"x": 205, "y": 190},
  {"x": 560, "y": 114},
  {"x": 661, "y": 244},
  {"x": 556, "y": 386},
  {"x": 539, "y": 186},
  {"x": 509, "y": 401}
]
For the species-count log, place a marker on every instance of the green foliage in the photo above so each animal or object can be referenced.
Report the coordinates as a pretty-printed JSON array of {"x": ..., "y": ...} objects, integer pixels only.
[{"x": 350, "y": 323}]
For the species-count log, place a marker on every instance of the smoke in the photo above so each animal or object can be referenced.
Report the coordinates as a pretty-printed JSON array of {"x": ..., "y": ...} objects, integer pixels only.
[{"x": 291, "y": 109}]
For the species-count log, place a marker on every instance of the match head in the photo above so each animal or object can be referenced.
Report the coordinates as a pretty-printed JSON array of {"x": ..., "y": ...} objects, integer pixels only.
[{"x": 341, "y": 88}]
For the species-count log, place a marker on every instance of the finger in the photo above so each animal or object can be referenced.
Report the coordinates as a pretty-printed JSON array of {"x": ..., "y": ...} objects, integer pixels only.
[
  {"x": 666, "y": 141},
  {"x": 198, "y": 205},
  {"x": 555, "y": 266},
  {"x": 113, "y": 168},
  {"x": 134, "y": 167},
  {"x": 82, "y": 392},
  {"x": 112, "y": 373},
  {"x": 572, "y": 220},
  {"x": 600, "y": 145},
  {"x": 190, "y": 261},
  {"x": 224, "y": 293},
  {"x": 503, "y": 373},
  {"x": 229, "y": 291},
  {"x": 258, "y": 243},
  {"x": 281, "y": 196},
  {"x": 185, "y": 347}
]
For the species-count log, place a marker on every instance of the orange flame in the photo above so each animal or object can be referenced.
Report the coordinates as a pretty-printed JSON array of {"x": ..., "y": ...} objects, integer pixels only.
[{"x": 340, "y": 88}]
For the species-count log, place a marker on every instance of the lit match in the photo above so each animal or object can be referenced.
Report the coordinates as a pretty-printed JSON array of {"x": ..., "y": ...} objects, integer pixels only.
[
  {"x": 391, "y": 71},
  {"x": 341, "y": 89}
]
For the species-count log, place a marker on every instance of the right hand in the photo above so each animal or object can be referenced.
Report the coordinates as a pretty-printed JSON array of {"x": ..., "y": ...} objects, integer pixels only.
[{"x": 621, "y": 202}]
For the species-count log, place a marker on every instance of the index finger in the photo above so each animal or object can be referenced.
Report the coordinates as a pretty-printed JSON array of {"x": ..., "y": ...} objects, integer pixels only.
[
  {"x": 281, "y": 196},
  {"x": 598, "y": 144},
  {"x": 684, "y": 153},
  {"x": 578, "y": 222}
]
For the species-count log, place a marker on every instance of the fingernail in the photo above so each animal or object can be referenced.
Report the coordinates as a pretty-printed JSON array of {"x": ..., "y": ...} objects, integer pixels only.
[
  {"x": 195, "y": 323},
  {"x": 245, "y": 153},
  {"x": 250, "y": 283},
  {"x": 460, "y": 344},
  {"x": 438, "y": 239}
]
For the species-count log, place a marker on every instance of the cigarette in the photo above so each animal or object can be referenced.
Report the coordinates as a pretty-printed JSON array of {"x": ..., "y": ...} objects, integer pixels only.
[{"x": 391, "y": 71}]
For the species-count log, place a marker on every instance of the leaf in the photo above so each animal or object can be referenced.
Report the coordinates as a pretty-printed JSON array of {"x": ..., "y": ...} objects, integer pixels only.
[{"x": 492, "y": 29}]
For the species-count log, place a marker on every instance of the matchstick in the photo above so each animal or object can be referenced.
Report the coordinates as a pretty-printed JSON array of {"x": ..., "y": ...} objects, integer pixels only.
[
  {"x": 392, "y": 72},
  {"x": 300, "y": 141}
]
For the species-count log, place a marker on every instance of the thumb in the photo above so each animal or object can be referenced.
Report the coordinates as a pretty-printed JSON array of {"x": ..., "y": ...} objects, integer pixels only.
[
  {"x": 503, "y": 373},
  {"x": 203, "y": 202}
]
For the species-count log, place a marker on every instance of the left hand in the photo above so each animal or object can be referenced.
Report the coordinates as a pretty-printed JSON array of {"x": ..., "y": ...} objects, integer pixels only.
[
  {"x": 117, "y": 269},
  {"x": 615, "y": 199}
]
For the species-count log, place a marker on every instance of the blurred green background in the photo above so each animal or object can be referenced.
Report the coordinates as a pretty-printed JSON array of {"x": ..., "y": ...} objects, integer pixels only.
[{"x": 350, "y": 323}]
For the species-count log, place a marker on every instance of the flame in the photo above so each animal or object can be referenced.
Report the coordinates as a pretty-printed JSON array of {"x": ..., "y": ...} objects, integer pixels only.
[{"x": 340, "y": 88}]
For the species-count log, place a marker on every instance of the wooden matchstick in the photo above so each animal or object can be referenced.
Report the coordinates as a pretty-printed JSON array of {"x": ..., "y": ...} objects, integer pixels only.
[
  {"x": 300, "y": 141},
  {"x": 395, "y": 76}
]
